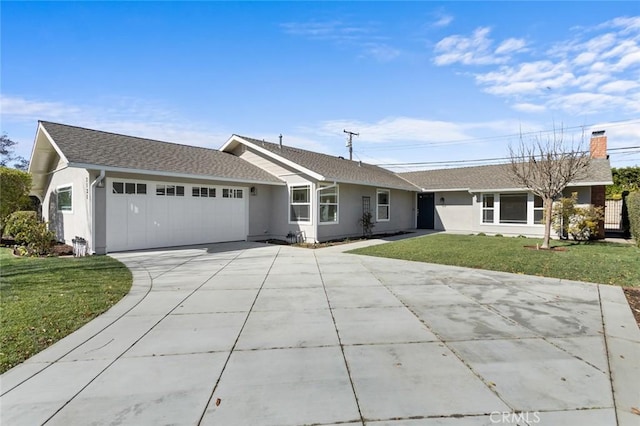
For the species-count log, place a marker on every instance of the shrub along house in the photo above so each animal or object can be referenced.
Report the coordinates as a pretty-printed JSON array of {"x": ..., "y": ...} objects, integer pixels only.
[{"x": 124, "y": 193}]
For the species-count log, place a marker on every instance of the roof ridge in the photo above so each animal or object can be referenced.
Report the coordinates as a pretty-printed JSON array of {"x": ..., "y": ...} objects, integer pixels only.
[
  {"x": 456, "y": 168},
  {"x": 250, "y": 139},
  {"x": 128, "y": 136}
]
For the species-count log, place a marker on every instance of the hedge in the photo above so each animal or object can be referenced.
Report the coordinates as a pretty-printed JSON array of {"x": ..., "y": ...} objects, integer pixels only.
[{"x": 633, "y": 206}]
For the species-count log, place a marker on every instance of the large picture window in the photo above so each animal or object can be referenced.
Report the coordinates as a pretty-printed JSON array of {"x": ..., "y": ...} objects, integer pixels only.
[
  {"x": 384, "y": 203},
  {"x": 64, "y": 196},
  {"x": 513, "y": 208},
  {"x": 328, "y": 201},
  {"x": 300, "y": 204}
]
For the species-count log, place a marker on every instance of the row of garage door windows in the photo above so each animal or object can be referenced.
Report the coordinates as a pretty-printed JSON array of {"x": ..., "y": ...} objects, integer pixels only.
[{"x": 174, "y": 190}]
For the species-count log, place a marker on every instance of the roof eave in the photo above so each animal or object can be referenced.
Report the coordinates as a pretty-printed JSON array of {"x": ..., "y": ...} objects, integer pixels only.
[
  {"x": 375, "y": 184},
  {"x": 172, "y": 174},
  {"x": 511, "y": 189},
  {"x": 272, "y": 155}
]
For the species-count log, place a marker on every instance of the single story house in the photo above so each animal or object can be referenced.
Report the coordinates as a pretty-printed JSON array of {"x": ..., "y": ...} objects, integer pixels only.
[
  {"x": 486, "y": 199},
  {"x": 123, "y": 193}
]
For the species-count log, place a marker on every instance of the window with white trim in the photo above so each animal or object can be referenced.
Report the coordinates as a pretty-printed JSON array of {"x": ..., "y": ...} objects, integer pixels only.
[
  {"x": 512, "y": 209},
  {"x": 328, "y": 204},
  {"x": 64, "y": 198},
  {"x": 384, "y": 204},
  {"x": 300, "y": 203},
  {"x": 487, "y": 208},
  {"x": 538, "y": 210}
]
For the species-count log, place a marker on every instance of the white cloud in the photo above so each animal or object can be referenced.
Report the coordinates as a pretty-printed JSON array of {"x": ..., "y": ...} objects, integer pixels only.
[
  {"x": 619, "y": 86},
  {"x": 527, "y": 78},
  {"x": 529, "y": 107},
  {"x": 585, "y": 58},
  {"x": 325, "y": 30},
  {"x": 581, "y": 103},
  {"x": 442, "y": 20},
  {"x": 511, "y": 45},
  {"x": 402, "y": 129},
  {"x": 119, "y": 115},
  {"x": 20, "y": 109},
  {"x": 473, "y": 50},
  {"x": 594, "y": 71},
  {"x": 381, "y": 52}
]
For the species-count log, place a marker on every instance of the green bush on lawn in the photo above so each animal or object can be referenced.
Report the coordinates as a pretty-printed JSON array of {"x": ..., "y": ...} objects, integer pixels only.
[{"x": 633, "y": 206}]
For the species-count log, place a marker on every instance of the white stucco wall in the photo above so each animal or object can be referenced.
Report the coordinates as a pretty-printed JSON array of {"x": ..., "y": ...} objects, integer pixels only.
[
  {"x": 454, "y": 211},
  {"x": 401, "y": 215},
  {"x": 68, "y": 224},
  {"x": 461, "y": 211}
]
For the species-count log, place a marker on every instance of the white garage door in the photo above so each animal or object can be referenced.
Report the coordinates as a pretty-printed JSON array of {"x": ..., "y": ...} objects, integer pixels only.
[{"x": 148, "y": 214}]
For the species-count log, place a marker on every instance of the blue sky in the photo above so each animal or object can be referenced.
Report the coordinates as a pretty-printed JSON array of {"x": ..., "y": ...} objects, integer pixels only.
[{"x": 420, "y": 81}]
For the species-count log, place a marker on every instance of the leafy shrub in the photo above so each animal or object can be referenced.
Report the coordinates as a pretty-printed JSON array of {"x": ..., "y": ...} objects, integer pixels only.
[
  {"x": 581, "y": 223},
  {"x": 18, "y": 222},
  {"x": 28, "y": 231},
  {"x": 14, "y": 195},
  {"x": 481, "y": 234},
  {"x": 633, "y": 206},
  {"x": 367, "y": 223},
  {"x": 498, "y": 235}
]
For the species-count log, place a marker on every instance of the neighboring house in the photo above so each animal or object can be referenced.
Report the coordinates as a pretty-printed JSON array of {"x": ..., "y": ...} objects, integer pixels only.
[
  {"x": 486, "y": 199},
  {"x": 123, "y": 193}
]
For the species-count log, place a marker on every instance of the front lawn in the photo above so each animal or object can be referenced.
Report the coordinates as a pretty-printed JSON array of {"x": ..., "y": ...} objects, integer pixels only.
[
  {"x": 44, "y": 299},
  {"x": 597, "y": 262}
]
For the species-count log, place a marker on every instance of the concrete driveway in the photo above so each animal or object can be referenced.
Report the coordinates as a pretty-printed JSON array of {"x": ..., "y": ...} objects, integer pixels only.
[{"x": 249, "y": 334}]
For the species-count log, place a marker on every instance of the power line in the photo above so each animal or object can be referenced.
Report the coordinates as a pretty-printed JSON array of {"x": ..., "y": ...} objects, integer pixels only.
[
  {"x": 631, "y": 149},
  {"x": 497, "y": 137}
]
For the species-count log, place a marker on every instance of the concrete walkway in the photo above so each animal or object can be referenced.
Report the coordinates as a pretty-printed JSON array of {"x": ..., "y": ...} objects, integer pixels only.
[{"x": 251, "y": 334}]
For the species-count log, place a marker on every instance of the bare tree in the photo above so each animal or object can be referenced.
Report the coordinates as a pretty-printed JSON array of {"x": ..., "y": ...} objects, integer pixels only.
[{"x": 545, "y": 166}]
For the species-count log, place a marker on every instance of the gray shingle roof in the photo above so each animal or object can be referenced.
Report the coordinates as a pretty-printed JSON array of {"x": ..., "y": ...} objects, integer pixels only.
[
  {"x": 493, "y": 177},
  {"x": 94, "y": 147},
  {"x": 335, "y": 168}
]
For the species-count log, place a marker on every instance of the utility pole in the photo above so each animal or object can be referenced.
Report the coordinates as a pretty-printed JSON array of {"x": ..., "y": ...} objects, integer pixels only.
[{"x": 350, "y": 142}]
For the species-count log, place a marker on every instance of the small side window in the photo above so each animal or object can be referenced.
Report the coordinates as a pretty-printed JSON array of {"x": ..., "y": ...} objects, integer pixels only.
[
  {"x": 65, "y": 199},
  {"x": 118, "y": 187},
  {"x": 141, "y": 188}
]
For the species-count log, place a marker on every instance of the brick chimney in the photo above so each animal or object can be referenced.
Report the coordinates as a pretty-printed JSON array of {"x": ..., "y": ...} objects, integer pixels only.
[{"x": 598, "y": 147}]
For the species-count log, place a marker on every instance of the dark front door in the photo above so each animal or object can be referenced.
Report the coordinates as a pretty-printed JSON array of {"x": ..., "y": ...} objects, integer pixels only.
[{"x": 426, "y": 207}]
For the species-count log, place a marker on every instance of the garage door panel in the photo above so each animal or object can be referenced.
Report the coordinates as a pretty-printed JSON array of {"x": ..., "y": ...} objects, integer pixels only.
[
  {"x": 137, "y": 221},
  {"x": 117, "y": 224}
]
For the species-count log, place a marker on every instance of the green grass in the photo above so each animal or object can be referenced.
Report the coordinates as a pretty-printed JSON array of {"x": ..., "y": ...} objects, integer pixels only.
[
  {"x": 44, "y": 299},
  {"x": 597, "y": 262}
]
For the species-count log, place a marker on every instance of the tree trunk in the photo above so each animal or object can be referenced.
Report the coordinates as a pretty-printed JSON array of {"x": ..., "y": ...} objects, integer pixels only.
[{"x": 548, "y": 208}]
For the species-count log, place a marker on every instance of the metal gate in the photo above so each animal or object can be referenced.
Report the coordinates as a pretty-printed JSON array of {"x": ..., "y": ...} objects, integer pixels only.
[{"x": 613, "y": 215}]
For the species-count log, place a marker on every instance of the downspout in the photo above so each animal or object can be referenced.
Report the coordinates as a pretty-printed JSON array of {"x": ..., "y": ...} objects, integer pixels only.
[
  {"x": 317, "y": 209},
  {"x": 92, "y": 205}
]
